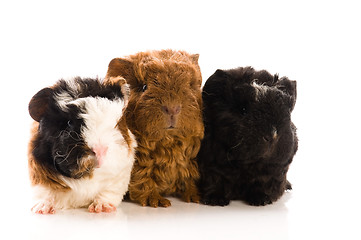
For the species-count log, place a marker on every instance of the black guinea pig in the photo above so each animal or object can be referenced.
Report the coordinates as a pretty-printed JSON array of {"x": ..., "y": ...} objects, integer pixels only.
[
  {"x": 249, "y": 140},
  {"x": 81, "y": 152}
]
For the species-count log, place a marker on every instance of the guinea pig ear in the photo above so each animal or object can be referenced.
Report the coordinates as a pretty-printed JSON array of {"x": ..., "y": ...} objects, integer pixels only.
[
  {"x": 120, "y": 67},
  {"x": 38, "y": 104},
  {"x": 124, "y": 86},
  {"x": 194, "y": 58},
  {"x": 220, "y": 73},
  {"x": 215, "y": 84},
  {"x": 289, "y": 87}
]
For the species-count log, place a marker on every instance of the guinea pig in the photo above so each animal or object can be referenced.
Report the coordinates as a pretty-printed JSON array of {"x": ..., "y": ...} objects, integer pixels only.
[
  {"x": 164, "y": 113},
  {"x": 249, "y": 140},
  {"x": 81, "y": 152}
]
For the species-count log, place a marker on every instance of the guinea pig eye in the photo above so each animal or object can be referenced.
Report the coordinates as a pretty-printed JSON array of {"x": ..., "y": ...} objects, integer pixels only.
[
  {"x": 70, "y": 123},
  {"x": 145, "y": 86}
]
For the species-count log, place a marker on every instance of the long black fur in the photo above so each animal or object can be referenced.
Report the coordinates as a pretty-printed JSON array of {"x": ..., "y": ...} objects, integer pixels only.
[{"x": 249, "y": 138}]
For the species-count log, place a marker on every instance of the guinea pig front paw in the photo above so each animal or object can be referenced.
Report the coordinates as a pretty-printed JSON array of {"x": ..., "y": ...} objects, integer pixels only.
[
  {"x": 43, "y": 207},
  {"x": 258, "y": 199},
  {"x": 288, "y": 186},
  {"x": 155, "y": 200},
  {"x": 215, "y": 200},
  {"x": 99, "y": 206},
  {"x": 191, "y": 195},
  {"x": 191, "y": 198}
]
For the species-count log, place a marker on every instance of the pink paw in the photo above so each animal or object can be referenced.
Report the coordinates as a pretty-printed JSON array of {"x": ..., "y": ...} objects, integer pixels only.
[
  {"x": 97, "y": 207},
  {"x": 43, "y": 208}
]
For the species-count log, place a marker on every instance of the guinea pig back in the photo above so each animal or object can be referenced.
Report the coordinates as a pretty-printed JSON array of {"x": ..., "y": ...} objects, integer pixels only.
[{"x": 164, "y": 113}]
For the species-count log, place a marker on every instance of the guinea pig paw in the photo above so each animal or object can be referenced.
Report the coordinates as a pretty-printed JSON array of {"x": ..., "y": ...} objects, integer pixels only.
[
  {"x": 215, "y": 201},
  {"x": 43, "y": 207},
  {"x": 288, "y": 186},
  {"x": 258, "y": 200},
  {"x": 98, "y": 207},
  {"x": 191, "y": 198},
  {"x": 156, "y": 201}
]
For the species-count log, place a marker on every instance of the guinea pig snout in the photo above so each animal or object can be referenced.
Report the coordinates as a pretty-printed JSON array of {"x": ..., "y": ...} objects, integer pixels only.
[
  {"x": 100, "y": 153},
  {"x": 270, "y": 142},
  {"x": 271, "y": 137},
  {"x": 171, "y": 110},
  {"x": 171, "y": 113}
]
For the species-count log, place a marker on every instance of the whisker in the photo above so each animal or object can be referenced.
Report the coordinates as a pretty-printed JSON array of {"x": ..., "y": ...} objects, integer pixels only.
[
  {"x": 237, "y": 145},
  {"x": 66, "y": 155},
  {"x": 229, "y": 151},
  {"x": 77, "y": 135},
  {"x": 66, "y": 134}
]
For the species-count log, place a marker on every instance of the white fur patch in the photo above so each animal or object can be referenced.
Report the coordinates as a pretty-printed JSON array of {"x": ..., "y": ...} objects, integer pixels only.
[
  {"x": 63, "y": 99},
  {"x": 110, "y": 181}
]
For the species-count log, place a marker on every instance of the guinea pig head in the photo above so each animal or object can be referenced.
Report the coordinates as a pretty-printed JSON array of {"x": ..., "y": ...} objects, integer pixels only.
[
  {"x": 165, "y": 99},
  {"x": 253, "y": 119},
  {"x": 60, "y": 145}
]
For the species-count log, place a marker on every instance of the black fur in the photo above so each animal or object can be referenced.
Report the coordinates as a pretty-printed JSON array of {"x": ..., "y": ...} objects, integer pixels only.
[
  {"x": 59, "y": 144},
  {"x": 249, "y": 138}
]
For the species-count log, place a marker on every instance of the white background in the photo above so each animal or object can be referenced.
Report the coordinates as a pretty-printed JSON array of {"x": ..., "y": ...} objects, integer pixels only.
[{"x": 316, "y": 43}]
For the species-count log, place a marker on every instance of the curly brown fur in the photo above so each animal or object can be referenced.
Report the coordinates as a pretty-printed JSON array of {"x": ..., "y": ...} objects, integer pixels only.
[
  {"x": 164, "y": 113},
  {"x": 249, "y": 138}
]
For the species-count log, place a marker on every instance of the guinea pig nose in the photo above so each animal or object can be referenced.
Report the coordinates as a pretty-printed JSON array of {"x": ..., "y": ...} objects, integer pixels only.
[
  {"x": 272, "y": 136},
  {"x": 100, "y": 152},
  {"x": 171, "y": 110}
]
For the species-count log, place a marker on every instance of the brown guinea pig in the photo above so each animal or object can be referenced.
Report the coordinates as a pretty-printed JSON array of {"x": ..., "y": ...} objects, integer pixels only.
[{"x": 164, "y": 113}]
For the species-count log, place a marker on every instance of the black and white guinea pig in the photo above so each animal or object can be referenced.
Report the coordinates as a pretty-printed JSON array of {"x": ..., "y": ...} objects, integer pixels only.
[
  {"x": 81, "y": 152},
  {"x": 249, "y": 140}
]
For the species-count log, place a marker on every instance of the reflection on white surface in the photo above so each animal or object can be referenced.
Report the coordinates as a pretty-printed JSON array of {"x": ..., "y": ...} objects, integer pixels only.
[
  {"x": 182, "y": 220},
  {"x": 207, "y": 222}
]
